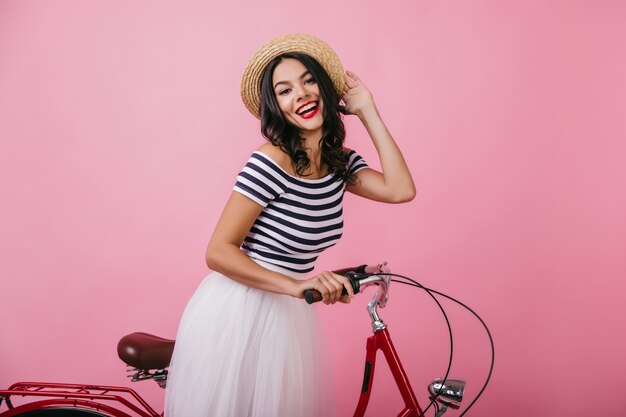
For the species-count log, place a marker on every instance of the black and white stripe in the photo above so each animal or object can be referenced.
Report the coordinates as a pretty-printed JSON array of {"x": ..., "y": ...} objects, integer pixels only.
[{"x": 301, "y": 217}]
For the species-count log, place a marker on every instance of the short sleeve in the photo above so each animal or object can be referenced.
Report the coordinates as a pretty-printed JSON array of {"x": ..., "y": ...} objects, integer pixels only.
[
  {"x": 355, "y": 162},
  {"x": 259, "y": 180}
]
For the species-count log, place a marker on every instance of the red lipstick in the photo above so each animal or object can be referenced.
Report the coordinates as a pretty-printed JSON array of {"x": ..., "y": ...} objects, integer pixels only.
[{"x": 309, "y": 114}]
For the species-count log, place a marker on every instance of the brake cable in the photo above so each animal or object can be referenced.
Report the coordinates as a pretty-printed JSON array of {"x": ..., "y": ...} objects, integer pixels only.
[{"x": 430, "y": 292}]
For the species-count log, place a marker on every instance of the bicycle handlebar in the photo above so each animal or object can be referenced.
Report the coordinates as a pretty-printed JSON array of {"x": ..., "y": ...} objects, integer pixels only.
[{"x": 354, "y": 274}]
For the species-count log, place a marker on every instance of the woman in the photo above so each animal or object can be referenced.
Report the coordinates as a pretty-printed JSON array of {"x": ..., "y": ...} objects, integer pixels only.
[{"x": 246, "y": 345}]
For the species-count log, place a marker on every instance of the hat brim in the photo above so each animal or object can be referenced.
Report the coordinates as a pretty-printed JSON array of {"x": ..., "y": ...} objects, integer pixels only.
[{"x": 306, "y": 44}]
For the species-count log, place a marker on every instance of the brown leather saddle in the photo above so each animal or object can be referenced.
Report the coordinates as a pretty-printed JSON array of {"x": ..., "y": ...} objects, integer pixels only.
[{"x": 145, "y": 351}]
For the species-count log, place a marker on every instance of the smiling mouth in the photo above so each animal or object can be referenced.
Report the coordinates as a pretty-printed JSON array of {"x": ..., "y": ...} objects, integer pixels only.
[{"x": 307, "y": 110}]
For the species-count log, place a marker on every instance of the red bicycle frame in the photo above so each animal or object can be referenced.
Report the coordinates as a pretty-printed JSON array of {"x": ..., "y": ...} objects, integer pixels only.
[{"x": 381, "y": 340}]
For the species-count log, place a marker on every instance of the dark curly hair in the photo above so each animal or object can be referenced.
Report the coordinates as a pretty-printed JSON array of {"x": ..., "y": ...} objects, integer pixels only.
[{"x": 287, "y": 137}]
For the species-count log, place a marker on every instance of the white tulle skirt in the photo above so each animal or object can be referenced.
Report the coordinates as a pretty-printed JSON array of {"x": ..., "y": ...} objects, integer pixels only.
[{"x": 243, "y": 352}]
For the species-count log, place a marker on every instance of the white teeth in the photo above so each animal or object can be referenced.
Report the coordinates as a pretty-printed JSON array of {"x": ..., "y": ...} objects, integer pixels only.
[{"x": 307, "y": 107}]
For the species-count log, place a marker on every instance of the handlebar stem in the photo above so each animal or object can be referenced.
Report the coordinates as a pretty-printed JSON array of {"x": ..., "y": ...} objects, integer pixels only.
[{"x": 381, "y": 296}]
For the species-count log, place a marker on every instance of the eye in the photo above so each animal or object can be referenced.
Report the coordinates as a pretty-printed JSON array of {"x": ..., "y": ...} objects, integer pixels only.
[
  {"x": 284, "y": 91},
  {"x": 309, "y": 81}
]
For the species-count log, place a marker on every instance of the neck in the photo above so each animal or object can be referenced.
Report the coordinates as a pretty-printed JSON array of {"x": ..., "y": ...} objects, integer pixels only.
[{"x": 311, "y": 142}]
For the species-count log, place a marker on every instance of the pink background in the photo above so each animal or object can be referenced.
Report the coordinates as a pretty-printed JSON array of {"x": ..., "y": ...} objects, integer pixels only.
[{"x": 122, "y": 131}]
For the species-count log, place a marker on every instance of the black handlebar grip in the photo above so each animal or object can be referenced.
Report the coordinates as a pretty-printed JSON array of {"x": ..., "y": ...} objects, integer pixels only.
[
  {"x": 313, "y": 296},
  {"x": 355, "y": 270}
]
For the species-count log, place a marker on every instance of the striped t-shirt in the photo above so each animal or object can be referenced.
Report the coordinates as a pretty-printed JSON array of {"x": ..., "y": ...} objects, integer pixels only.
[{"x": 301, "y": 217}]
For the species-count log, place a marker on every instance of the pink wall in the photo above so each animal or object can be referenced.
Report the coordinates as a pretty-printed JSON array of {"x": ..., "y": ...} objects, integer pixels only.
[{"x": 122, "y": 131}]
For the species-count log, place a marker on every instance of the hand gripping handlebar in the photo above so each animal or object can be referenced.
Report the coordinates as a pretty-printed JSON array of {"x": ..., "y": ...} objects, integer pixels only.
[{"x": 356, "y": 275}]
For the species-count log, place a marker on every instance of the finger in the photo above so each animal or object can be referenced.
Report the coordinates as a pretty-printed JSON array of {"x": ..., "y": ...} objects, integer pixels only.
[
  {"x": 334, "y": 286},
  {"x": 350, "y": 83},
  {"x": 322, "y": 289},
  {"x": 325, "y": 289},
  {"x": 339, "y": 284},
  {"x": 346, "y": 284},
  {"x": 356, "y": 81},
  {"x": 332, "y": 289},
  {"x": 345, "y": 299},
  {"x": 353, "y": 76}
]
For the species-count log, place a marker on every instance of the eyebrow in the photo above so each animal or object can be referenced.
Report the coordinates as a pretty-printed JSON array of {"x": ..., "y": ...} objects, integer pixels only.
[{"x": 304, "y": 74}]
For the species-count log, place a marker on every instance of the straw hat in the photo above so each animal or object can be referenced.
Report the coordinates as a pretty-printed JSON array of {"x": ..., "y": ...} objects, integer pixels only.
[{"x": 306, "y": 44}]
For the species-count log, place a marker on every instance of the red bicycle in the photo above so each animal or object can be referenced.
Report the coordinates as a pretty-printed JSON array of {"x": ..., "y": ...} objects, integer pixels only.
[{"x": 148, "y": 357}]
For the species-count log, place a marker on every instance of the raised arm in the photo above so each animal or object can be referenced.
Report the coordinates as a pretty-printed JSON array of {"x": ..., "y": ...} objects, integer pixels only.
[{"x": 394, "y": 184}]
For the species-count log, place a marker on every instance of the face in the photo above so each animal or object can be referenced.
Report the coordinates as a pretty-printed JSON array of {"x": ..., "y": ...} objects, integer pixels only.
[{"x": 298, "y": 96}]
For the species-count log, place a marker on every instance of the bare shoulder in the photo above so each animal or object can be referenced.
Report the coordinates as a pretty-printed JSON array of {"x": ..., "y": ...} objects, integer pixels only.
[
  {"x": 277, "y": 155},
  {"x": 272, "y": 151}
]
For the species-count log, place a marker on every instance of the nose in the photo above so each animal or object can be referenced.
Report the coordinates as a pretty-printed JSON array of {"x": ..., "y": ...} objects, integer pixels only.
[{"x": 301, "y": 92}]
